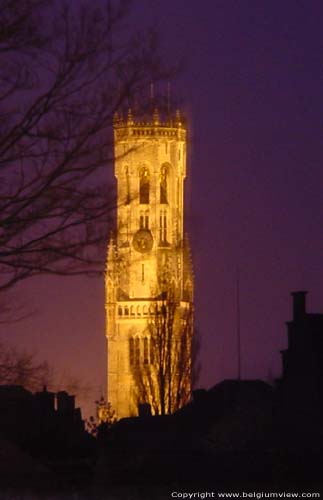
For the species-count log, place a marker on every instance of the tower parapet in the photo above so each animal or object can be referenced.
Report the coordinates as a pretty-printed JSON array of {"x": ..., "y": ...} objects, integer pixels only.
[{"x": 128, "y": 126}]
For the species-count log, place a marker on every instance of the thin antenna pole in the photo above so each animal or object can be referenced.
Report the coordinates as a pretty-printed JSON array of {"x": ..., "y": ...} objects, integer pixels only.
[
  {"x": 238, "y": 326},
  {"x": 152, "y": 91}
]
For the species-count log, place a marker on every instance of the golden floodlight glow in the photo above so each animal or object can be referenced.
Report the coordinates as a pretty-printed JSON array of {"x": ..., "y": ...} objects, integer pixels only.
[{"x": 149, "y": 283}]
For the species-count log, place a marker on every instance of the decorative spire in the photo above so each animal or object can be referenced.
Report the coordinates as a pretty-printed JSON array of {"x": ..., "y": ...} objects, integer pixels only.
[
  {"x": 130, "y": 118},
  {"x": 156, "y": 120},
  {"x": 116, "y": 118},
  {"x": 178, "y": 119}
]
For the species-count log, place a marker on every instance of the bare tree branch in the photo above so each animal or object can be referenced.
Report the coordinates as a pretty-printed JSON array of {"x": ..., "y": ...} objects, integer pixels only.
[
  {"x": 164, "y": 376},
  {"x": 61, "y": 83},
  {"x": 20, "y": 368}
]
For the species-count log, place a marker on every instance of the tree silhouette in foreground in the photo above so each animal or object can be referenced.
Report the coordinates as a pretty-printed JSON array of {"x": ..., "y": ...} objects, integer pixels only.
[
  {"x": 105, "y": 418},
  {"x": 164, "y": 372},
  {"x": 21, "y": 368},
  {"x": 65, "y": 69}
]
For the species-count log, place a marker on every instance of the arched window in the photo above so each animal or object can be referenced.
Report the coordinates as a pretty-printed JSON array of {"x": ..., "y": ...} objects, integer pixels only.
[
  {"x": 163, "y": 185},
  {"x": 144, "y": 185},
  {"x": 137, "y": 351},
  {"x": 126, "y": 311},
  {"x": 120, "y": 311}
]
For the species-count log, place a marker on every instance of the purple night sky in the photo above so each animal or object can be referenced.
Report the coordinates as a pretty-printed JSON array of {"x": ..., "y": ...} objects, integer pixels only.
[{"x": 252, "y": 88}]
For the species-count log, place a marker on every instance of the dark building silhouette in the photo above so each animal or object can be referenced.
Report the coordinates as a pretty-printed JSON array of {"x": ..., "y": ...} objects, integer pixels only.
[
  {"x": 232, "y": 417},
  {"x": 241, "y": 430},
  {"x": 234, "y": 414},
  {"x": 65, "y": 404},
  {"x": 300, "y": 389},
  {"x": 44, "y": 424}
]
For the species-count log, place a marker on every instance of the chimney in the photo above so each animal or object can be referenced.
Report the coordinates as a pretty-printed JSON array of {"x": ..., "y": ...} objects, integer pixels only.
[
  {"x": 299, "y": 305},
  {"x": 65, "y": 403}
]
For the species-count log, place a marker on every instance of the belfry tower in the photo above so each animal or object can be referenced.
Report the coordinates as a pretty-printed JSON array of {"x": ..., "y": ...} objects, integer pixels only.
[{"x": 148, "y": 255}]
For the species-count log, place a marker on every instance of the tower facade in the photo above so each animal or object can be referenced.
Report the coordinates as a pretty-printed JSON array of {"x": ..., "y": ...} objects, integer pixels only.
[{"x": 148, "y": 264}]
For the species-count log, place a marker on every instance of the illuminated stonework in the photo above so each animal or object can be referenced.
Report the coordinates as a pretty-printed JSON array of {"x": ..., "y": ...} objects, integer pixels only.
[{"x": 148, "y": 249}]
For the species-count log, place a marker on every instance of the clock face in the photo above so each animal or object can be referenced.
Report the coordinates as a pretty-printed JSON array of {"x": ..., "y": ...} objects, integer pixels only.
[{"x": 143, "y": 241}]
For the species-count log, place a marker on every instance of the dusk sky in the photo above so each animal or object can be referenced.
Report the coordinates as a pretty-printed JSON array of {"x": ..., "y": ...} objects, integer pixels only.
[{"x": 251, "y": 87}]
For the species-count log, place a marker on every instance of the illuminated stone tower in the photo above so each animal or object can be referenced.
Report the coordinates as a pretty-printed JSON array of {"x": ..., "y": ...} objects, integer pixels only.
[{"x": 149, "y": 248}]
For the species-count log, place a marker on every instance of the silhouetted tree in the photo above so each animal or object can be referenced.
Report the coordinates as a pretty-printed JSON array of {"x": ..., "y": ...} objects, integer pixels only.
[
  {"x": 164, "y": 369},
  {"x": 104, "y": 412},
  {"x": 21, "y": 368},
  {"x": 65, "y": 69},
  {"x": 105, "y": 418}
]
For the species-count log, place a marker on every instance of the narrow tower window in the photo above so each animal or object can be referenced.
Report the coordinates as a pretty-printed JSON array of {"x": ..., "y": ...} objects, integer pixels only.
[
  {"x": 127, "y": 185},
  {"x": 144, "y": 220},
  {"x": 163, "y": 185},
  {"x": 163, "y": 226},
  {"x": 144, "y": 185},
  {"x": 137, "y": 351}
]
